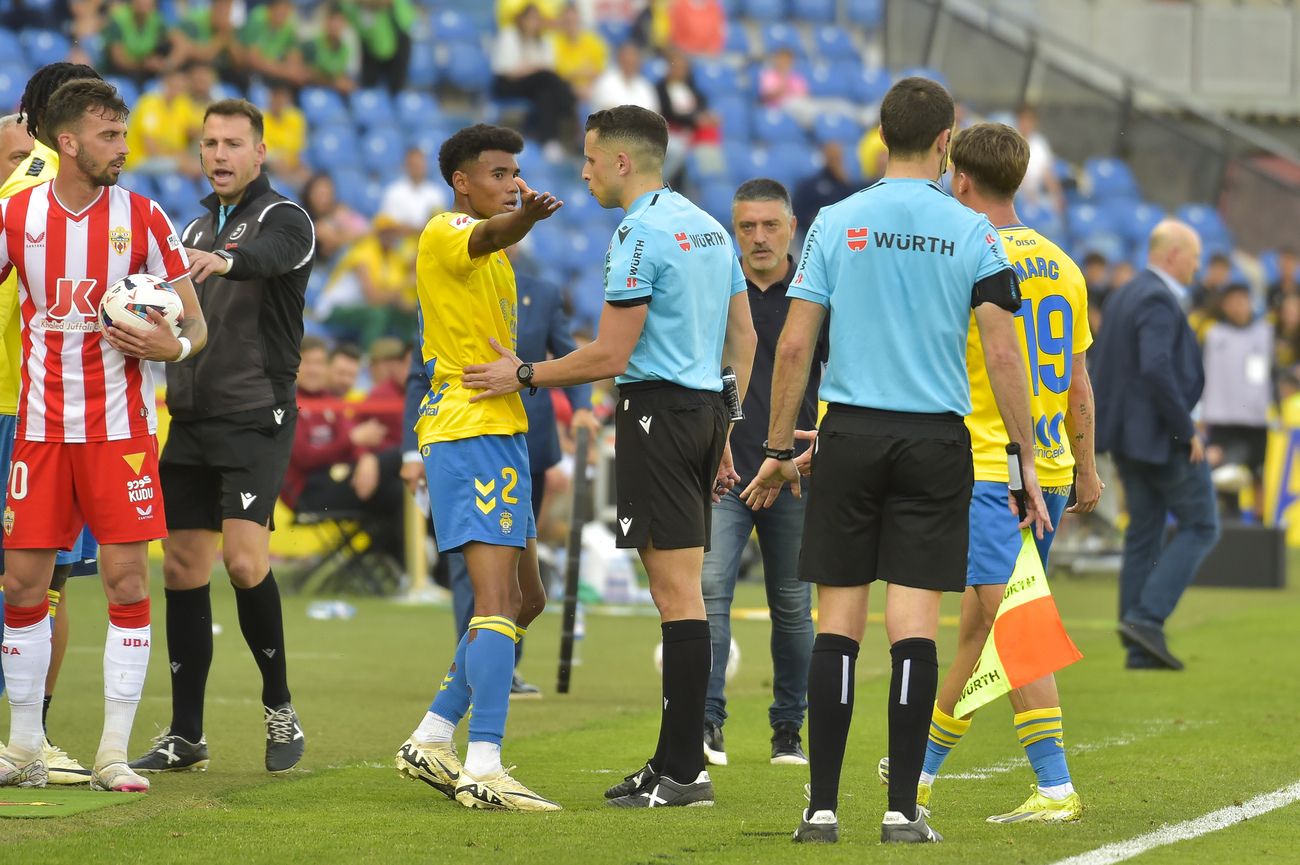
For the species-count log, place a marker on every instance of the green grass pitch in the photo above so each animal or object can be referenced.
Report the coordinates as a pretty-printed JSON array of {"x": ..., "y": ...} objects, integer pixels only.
[{"x": 1146, "y": 748}]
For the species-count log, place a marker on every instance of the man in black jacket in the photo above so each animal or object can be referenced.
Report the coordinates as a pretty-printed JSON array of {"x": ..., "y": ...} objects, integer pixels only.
[{"x": 233, "y": 411}]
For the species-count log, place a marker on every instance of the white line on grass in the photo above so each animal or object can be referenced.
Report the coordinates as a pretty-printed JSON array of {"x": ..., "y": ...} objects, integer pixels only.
[{"x": 1211, "y": 822}]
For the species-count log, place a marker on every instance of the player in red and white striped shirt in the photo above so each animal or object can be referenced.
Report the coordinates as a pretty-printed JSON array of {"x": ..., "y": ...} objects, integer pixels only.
[{"x": 85, "y": 449}]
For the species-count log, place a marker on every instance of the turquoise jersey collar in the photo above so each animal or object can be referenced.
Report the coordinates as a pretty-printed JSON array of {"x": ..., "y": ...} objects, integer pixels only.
[{"x": 644, "y": 199}]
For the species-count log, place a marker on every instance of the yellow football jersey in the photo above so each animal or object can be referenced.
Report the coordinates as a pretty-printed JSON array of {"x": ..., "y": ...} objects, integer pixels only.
[
  {"x": 1052, "y": 325},
  {"x": 41, "y": 166},
  {"x": 463, "y": 302}
]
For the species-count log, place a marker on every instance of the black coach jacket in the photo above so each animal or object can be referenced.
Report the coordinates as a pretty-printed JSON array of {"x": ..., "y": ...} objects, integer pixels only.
[{"x": 254, "y": 312}]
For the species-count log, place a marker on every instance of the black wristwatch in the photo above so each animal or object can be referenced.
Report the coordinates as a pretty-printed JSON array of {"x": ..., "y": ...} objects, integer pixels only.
[
  {"x": 774, "y": 454},
  {"x": 525, "y": 375}
]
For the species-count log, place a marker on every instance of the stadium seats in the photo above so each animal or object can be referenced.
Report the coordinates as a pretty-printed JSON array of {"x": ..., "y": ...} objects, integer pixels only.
[
  {"x": 738, "y": 40},
  {"x": 774, "y": 126},
  {"x": 587, "y": 250},
  {"x": 178, "y": 195},
  {"x": 467, "y": 68},
  {"x": 1108, "y": 178},
  {"x": 126, "y": 88},
  {"x": 614, "y": 32},
  {"x": 715, "y": 199},
  {"x": 323, "y": 107},
  {"x": 423, "y": 70},
  {"x": 12, "y": 83},
  {"x": 373, "y": 107},
  {"x": 923, "y": 72},
  {"x": 865, "y": 85},
  {"x": 1042, "y": 219},
  {"x": 822, "y": 82},
  {"x": 814, "y": 11},
  {"x": 415, "y": 107},
  {"x": 655, "y": 68},
  {"x": 449, "y": 26},
  {"x": 733, "y": 114},
  {"x": 837, "y": 127},
  {"x": 382, "y": 148},
  {"x": 763, "y": 10},
  {"x": 11, "y": 50},
  {"x": 43, "y": 47},
  {"x": 1108, "y": 243},
  {"x": 1085, "y": 220},
  {"x": 717, "y": 78},
  {"x": 833, "y": 43},
  {"x": 140, "y": 184},
  {"x": 866, "y": 13},
  {"x": 1215, "y": 236},
  {"x": 778, "y": 35},
  {"x": 332, "y": 148},
  {"x": 1135, "y": 219}
]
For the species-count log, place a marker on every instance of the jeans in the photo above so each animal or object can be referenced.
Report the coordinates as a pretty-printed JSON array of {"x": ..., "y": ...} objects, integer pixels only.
[
  {"x": 780, "y": 532},
  {"x": 1154, "y": 573}
]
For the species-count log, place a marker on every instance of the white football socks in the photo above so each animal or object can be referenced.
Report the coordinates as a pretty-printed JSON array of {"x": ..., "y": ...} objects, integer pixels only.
[
  {"x": 483, "y": 759},
  {"x": 126, "y": 658},
  {"x": 434, "y": 728},
  {"x": 26, "y": 662}
]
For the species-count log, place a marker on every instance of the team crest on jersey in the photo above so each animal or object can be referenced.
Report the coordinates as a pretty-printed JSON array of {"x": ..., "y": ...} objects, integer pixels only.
[
  {"x": 856, "y": 238},
  {"x": 239, "y": 231},
  {"x": 120, "y": 239},
  {"x": 507, "y": 523},
  {"x": 9, "y": 521}
]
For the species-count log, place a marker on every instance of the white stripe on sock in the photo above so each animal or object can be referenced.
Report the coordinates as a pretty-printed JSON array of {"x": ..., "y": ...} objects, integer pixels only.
[
  {"x": 907, "y": 674},
  {"x": 844, "y": 681}
]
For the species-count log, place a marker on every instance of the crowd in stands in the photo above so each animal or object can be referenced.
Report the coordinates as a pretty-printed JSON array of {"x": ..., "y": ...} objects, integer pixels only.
[{"x": 359, "y": 94}]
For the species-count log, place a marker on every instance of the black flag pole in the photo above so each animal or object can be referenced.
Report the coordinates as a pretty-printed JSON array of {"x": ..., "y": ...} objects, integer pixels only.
[{"x": 577, "y": 519}]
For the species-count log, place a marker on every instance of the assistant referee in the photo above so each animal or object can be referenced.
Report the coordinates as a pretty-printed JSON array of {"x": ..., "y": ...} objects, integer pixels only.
[
  {"x": 676, "y": 312},
  {"x": 899, "y": 266},
  {"x": 233, "y": 411}
]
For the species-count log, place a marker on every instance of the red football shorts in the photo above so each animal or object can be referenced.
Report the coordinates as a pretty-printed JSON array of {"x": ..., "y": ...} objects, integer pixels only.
[{"x": 110, "y": 486}]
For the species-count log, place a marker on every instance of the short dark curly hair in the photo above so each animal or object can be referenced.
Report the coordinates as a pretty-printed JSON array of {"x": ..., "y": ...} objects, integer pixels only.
[
  {"x": 472, "y": 141},
  {"x": 41, "y": 86}
]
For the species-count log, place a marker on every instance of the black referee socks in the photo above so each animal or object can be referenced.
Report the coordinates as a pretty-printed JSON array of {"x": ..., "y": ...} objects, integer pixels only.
[
  {"x": 688, "y": 656},
  {"x": 189, "y": 649},
  {"x": 830, "y": 710},
  {"x": 912, "y": 686},
  {"x": 262, "y": 623}
]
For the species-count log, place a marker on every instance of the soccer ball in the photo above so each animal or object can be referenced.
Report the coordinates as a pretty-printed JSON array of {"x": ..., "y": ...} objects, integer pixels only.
[
  {"x": 127, "y": 302},
  {"x": 733, "y": 659}
]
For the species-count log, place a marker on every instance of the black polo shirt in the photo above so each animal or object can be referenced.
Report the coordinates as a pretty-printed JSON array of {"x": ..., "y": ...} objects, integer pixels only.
[{"x": 768, "y": 309}]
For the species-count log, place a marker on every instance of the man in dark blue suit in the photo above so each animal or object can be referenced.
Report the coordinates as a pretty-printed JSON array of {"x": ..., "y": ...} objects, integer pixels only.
[
  {"x": 1148, "y": 377},
  {"x": 544, "y": 330}
]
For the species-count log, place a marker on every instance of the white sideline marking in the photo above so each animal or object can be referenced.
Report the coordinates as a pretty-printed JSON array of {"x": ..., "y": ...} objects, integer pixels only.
[{"x": 1212, "y": 822}]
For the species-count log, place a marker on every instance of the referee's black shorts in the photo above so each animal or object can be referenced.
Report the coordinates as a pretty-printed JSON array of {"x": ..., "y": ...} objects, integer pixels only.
[
  {"x": 891, "y": 501},
  {"x": 226, "y": 468},
  {"x": 668, "y": 443}
]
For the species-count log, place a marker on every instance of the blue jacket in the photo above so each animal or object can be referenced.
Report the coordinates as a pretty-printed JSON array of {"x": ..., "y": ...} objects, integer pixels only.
[
  {"x": 543, "y": 329},
  {"x": 1146, "y": 372}
]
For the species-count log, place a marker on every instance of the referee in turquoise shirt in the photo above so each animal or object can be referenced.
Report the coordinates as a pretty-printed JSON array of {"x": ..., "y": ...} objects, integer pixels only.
[
  {"x": 676, "y": 312},
  {"x": 899, "y": 265}
]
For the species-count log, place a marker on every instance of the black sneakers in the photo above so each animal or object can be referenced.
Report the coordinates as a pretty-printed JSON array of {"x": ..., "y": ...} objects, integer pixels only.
[
  {"x": 173, "y": 754},
  {"x": 663, "y": 792},
  {"x": 897, "y": 829},
  {"x": 632, "y": 783},
  {"x": 787, "y": 747},
  {"x": 285, "y": 741},
  {"x": 715, "y": 750}
]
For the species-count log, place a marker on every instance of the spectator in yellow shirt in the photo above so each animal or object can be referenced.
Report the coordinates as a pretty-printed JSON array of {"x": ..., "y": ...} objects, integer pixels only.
[
  {"x": 285, "y": 134},
  {"x": 872, "y": 155},
  {"x": 580, "y": 54},
  {"x": 160, "y": 128},
  {"x": 370, "y": 293},
  {"x": 508, "y": 11}
]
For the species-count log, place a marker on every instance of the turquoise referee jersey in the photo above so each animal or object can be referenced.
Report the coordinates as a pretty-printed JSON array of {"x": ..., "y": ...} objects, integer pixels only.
[
  {"x": 896, "y": 265},
  {"x": 674, "y": 256}
]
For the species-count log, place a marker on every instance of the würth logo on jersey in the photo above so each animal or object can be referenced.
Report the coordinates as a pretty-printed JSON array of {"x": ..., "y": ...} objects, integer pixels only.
[
  {"x": 120, "y": 239},
  {"x": 631, "y": 282},
  {"x": 683, "y": 241},
  {"x": 856, "y": 238},
  {"x": 35, "y": 239}
]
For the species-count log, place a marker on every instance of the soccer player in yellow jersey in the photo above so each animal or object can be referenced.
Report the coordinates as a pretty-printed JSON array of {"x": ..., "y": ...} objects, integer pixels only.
[
  {"x": 39, "y": 164},
  {"x": 476, "y": 461},
  {"x": 989, "y": 162}
]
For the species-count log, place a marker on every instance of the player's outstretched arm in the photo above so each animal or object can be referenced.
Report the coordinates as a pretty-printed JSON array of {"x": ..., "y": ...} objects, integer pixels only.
[
  {"x": 1080, "y": 425},
  {"x": 1010, "y": 383},
  {"x": 507, "y": 229}
]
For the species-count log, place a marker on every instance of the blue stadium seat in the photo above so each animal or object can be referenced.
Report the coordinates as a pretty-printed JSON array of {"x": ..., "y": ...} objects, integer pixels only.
[
  {"x": 177, "y": 193},
  {"x": 1215, "y": 236},
  {"x": 126, "y": 88},
  {"x": 1085, "y": 220},
  {"x": 814, "y": 11},
  {"x": 140, "y": 184},
  {"x": 737, "y": 39},
  {"x": 552, "y": 246},
  {"x": 323, "y": 107},
  {"x": 373, "y": 107},
  {"x": 773, "y": 126},
  {"x": 361, "y": 193},
  {"x": 416, "y": 108},
  {"x": 382, "y": 149},
  {"x": 11, "y": 50},
  {"x": 588, "y": 297},
  {"x": 787, "y": 163},
  {"x": 822, "y": 82},
  {"x": 332, "y": 148},
  {"x": 423, "y": 70},
  {"x": 778, "y": 34},
  {"x": 715, "y": 198},
  {"x": 763, "y": 10},
  {"x": 1269, "y": 264},
  {"x": 1043, "y": 219},
  {"x": 43, "y": 47},
  {"x": 1110, "y": 178},
  {"x": 866, "y": 13},
  {"x": 614, "y": 32},
  {"x": 468, "y": 67},
  {"x": 449, "y": 26},
  {"x": 865, "y": 85},
  {"x": 1108, "y": 243},
  {"x": 717, "y": 78},
  {"x": 654, "y": 68},
  {"x": 834, "y": 43},
  {"x": 12, "y": 82},
  {"x": 837, "y": 127},
  {"x": 587, "y": 250},
  {"x": 1136, "y": 219},
  {"x": 733, "y": 113}
]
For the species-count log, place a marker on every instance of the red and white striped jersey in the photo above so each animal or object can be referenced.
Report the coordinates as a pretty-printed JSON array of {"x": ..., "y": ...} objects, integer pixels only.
[{"x": 76, "y": 387}]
